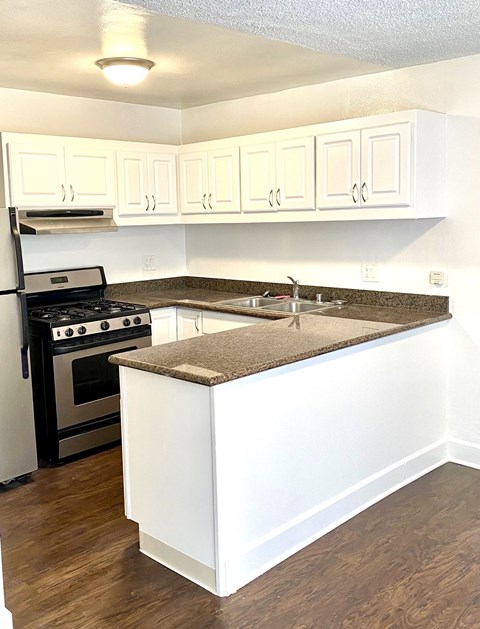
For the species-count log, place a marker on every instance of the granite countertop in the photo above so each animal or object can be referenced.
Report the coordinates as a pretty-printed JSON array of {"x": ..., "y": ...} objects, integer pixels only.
[{"x": 226, "y": 356}]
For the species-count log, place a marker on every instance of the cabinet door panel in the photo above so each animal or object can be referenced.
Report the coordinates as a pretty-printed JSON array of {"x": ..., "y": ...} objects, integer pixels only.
[
  {"x": 37, "y": 174},
  {"x": 162, "y": 177},
  {"x": 295, "y": 180},
  {"x": 338, "y": 170},
  {"x": 386, "y": 165},
  {"x": 258, "y": 178},
  {"x": 90, "y": 177},
  {"x": 224, "y": 180},
  {"x": 164, "y": 325},
  {"x": 193, "y": 183},
  {"x": 189, "y": 323},
  {"x": 132, "y": 169}
]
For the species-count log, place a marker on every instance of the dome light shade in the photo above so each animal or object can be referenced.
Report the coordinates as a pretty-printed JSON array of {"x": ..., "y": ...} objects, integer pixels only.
[{"x": 125, "y": 71}]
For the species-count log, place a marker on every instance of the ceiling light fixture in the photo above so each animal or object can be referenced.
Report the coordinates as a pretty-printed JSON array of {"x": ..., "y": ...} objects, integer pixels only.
[{"x": 125, "y": 71}]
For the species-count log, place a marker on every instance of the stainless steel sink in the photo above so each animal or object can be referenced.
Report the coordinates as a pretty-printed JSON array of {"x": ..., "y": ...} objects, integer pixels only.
[
  {"x": 294, "y": 307},
  {"x": 250, "y": 302}
]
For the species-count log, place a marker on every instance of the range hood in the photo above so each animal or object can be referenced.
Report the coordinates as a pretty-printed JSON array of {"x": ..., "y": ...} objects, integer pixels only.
[{"x": 64, "y": 221}]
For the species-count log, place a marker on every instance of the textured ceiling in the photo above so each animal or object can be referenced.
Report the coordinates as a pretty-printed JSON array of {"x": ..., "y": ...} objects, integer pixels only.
[
  {"x": 212, "y": 50},
  {"x": 394, "y": 33}
]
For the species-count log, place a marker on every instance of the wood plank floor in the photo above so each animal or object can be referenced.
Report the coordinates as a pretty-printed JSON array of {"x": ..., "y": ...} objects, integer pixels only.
[{"x": 71, "y": 561}]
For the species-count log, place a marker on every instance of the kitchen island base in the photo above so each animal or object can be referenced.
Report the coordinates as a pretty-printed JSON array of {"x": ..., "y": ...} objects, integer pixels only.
[{"x": 227, "y": 481}]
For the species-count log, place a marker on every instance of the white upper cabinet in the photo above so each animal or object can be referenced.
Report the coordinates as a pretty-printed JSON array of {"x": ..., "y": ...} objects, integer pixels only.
[
  {"x": 147, "y": 183},
  {"x": 365, "y": 168},
  {"x": 209, "y": 181},
  {"x": 58, "y": 174},
  {"x": 278, "y": 176}
]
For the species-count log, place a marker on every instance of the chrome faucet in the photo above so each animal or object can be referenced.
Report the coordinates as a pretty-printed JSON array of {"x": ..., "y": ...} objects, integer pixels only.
[{"x": 296, "y": 285}]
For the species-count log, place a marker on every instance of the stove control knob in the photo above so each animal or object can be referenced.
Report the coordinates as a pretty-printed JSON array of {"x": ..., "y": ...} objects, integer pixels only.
[
  {"x": 137, "y": 321},
  {"x": 69, "y": 332},
  {"x": 126, "y": 322},
  {"x": 104, "y": 325},
  {"x": 82, "y": 329}
]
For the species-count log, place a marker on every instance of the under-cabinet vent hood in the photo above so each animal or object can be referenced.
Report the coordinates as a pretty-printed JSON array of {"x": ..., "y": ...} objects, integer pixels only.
[{"x": 63, "y": 221}]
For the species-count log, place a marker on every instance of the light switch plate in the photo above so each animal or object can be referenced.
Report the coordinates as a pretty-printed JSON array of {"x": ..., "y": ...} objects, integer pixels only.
[{"x": 369, "y": 272}]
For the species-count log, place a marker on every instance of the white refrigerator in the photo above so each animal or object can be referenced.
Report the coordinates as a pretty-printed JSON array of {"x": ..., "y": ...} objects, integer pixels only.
[{"x": 18, "y": 454}]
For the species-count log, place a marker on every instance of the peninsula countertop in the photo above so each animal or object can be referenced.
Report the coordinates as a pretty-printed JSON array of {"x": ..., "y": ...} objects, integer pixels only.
[{"x": 226, "y": 356}]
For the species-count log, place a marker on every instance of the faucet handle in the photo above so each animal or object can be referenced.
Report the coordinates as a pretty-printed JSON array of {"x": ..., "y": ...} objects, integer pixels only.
[{"x": 292, "y": 280}]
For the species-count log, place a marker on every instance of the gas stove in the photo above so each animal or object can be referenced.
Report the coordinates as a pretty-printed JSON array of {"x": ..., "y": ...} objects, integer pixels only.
[
  {"x": 83, "y": 318},
  {"x": 73, "y": 330}
]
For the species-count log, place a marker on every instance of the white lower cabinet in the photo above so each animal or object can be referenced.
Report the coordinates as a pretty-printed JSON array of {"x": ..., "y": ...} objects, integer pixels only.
[
  {"x": 213, "y": 322},
  {"x": 164, "y": 325},
  {"x": 189, "y": 323},
  {"x": 176, "y": 324}
]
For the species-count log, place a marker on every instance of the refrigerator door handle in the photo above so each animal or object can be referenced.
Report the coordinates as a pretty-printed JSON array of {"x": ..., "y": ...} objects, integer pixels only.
[
  {"x": 18, "y": 247},
  {"x": 24, "y": 347}
]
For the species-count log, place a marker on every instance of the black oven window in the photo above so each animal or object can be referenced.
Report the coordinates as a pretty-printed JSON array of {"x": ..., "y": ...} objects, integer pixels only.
[{"x": 95, "y": 378}]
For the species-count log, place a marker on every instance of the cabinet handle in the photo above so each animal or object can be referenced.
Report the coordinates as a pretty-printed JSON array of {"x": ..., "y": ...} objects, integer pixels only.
[
  {"x": 72, "y": 193},
  {"x": 63, "y": 193},
  {"x": 210, "y": 201},
  {"x": 154, "y": 203},
  {"x": 203, "y": 201},
  {"x": 196, "y": 323},
  {"x": 270, "y": 197},
  {"x": 364, "y": 192},
  {"x": 148, "y": 203},
  {"x": 278, "y": 196},
  {"x": 355, "y": 193}
]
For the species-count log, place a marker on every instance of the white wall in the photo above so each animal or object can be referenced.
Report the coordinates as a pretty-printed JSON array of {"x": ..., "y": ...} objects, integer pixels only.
[
  {"x": 22, "y": 111},
  {"x": 121, "y": 253},
  {"x": 330, "y": 254},
  {"x": 449, "y": 86}
]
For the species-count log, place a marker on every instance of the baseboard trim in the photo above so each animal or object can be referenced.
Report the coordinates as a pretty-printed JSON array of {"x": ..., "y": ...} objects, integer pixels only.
[
  {"x": 5, "y": 619},
  {"x": 263, "y": 554},
  {"x": 464, "y": 453},
  {"x": 177, "y": 561}
]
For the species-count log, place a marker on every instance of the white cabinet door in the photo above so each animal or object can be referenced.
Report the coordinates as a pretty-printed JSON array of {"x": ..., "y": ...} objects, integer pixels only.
[
  {"x": 164, "y": 325},
  {"x": 193, "y": 182},
  {"x": 338, "y": 170},
  {"x": 386, "y": 165},
  {"x": 37, "y": 174},
  {"x": 295, "y": 174},
  {"x": 132, "y": 171},
  {"x": 162, "y": 182},
  {"x": 90, "y": 177},
  {"x": 224, "y": 180},
  {"x": 189, "y": 323},
  {"x": 258, "y": 178},
  {"x": 213, "y": 322}
]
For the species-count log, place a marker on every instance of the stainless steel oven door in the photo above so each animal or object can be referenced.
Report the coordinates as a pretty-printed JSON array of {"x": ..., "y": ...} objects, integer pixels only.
[{"x": 86, "y": 384}]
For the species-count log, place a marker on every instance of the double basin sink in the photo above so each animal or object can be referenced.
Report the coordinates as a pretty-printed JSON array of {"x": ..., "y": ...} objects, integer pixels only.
[{"x": 291, "y": 306}]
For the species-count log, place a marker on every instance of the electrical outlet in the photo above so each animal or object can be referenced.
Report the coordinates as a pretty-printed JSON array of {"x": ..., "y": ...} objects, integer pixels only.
[
  {"x": 437, "y": 278},
  {"x": 149, "y": 262},
  {"x": 369, "y": 272}
]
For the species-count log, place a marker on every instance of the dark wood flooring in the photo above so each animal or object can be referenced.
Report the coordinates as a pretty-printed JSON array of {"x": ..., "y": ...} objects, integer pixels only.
[{"x": 71, "y": 561}]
